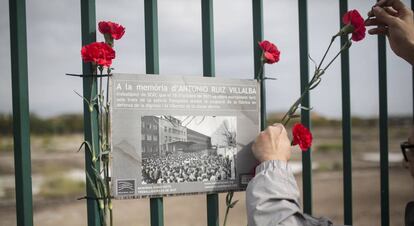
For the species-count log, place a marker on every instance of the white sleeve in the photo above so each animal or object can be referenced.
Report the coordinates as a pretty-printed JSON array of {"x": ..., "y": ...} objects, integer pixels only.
[{"x": 273, "y": 198}]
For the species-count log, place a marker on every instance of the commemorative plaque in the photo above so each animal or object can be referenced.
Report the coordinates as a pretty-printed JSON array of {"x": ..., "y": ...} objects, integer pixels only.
[{"x": 173, "y": 135}]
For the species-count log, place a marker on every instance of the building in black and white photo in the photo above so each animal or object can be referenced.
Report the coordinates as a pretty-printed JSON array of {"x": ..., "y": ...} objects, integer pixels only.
[{"x": 178, "y": 149}]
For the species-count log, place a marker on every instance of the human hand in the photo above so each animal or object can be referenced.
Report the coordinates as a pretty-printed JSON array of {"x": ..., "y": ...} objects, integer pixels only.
[
  {"x": 385, "y": 2},
  {"x": 272, "y": 144},
  {"x": 395, "y": 20}
]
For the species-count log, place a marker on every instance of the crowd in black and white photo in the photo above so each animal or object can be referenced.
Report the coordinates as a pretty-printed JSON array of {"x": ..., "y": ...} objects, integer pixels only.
[{"x": 185, "y": 167}]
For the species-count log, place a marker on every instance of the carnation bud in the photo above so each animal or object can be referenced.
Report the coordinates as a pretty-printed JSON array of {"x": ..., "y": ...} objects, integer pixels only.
[
  {"x": 101, "y": 204},
  {"x": 347, "y": 29},
  {"x": 109, "y": 40},
  {"x": 90, "y": 108}
]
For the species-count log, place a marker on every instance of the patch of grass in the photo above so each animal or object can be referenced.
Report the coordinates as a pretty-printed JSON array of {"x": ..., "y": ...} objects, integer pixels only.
[
  {"x": 329, "y": 166},
  {"x": 323, "y": 167},
  {"x": 57, "y": 187},
  {"x": 6, "y": 169},
  {"x": 9, "y": 193},
  {"x": 52, "y": 168},
  {"x": 400, "y": 133},
  {"x": 47, "y": 142},
  {"x": 337, "y": 166},
  {"x": 327, "y": 147},
  {"x": 6, "y": 144}
]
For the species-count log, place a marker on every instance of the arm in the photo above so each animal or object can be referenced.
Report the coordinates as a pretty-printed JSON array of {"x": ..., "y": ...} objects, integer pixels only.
[{"x": 272, "y": 197}]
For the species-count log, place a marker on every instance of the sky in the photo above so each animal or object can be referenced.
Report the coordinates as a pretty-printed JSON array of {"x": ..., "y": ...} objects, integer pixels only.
[{"x": 54, "y": 43}]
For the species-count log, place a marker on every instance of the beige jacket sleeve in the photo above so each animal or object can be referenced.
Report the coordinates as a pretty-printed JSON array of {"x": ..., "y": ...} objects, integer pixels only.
[{"x": 273, "y": 198}]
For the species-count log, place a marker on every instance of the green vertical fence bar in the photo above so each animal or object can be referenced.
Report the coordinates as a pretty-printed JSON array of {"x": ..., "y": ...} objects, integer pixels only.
[
  {"x": 383, "y": 127},
  {"x": 21, "y": 129},
  {"x": 305, "y": 115},
  {"x": 152, "y": 67},
  {"x": 412, "y": 69},
  {"x": 207, "y": 23},
  {"x": 90, "y": 119},
  {"x": 346, "y": 123},
  {"x": 257, "y": 6}
]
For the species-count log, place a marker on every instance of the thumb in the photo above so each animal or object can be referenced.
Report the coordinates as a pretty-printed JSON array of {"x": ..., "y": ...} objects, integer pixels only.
[{"x": 383, "y": 16}]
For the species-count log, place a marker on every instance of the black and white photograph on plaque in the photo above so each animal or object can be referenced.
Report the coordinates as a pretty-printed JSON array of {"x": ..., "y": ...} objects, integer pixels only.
[
  {"x": 181, "y": 135},
  {"x": 177, "y": 149}
]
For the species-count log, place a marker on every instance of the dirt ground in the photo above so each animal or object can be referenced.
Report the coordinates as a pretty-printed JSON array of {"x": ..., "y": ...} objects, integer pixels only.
[
  {"x": 191, "y": 210},
  {"x": 58, "y": 154}
]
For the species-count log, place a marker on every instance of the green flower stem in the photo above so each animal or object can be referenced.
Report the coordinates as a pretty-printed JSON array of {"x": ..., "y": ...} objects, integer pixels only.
[
  {"x": 260, "y": 74},
  {"x": 100, "y": 183},
  {"x": 111, "y": 223},
  {"x": 344, "y": 47},
  {"x": 314, "y": 81},
  {"x": 102, "y": 187},
  {"x": 91, "y": 124},
  {"x": 327, "y": 50},
  {"x": 105, "y": 124},
  {"x": 107, "y": 112},
  {"x": 225, "y": 216},
  {"x": 230, "y": 204},
  {"x": 296, "y": 104}
]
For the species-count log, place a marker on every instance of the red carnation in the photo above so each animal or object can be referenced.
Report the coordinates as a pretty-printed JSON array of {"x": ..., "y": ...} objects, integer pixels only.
[
  {"x": 98, "y": 53},
  {"x": 301, "y": 136},
  {"x": 270, "y": 52},
  {"x": 354, "y": 24},
  {"x": 111, "y": 29}
]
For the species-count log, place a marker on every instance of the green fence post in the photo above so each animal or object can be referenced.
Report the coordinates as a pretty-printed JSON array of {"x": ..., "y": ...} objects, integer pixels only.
[
  {"x": 21, "y": 128},
  {"x": 346, "y": 123},
  {"x": 151, "y": 37},
  {"x": 257, "y": 7},
  {"x": 383, "y": 124},
  {"x": 207, "y": 22},
  {"x": 152, "y": 67},
  {"x": 90, "y": 119},
  {"x": 412, "y": 70},
  {"x": 209, "y": 71},
  {"x": 305, "y": 115}
]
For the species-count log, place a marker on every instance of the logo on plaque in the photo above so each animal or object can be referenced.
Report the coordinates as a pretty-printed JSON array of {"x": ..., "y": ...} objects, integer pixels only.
[{"x": 126, "y": 187}]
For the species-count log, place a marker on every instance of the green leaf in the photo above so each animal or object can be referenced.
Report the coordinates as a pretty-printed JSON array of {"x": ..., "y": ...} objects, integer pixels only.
[
  {"x": 91, "y": 107},
  {"x": 321, "y": 72},
  {"x": 229, "y": 197},
  {"x": 93, "y": 185},
  {"x": 313, "y": 61},
  {"x": 84, "y": 99},
  {"x": 294, "y": 116},
  {"x": 313, "y": 86},
  {"x": 105, "y": 152},
  {"x": 90, "y": 148},
  {"x": 233, "y": 204},
  {"x": 100, "y": 183},
  {"x": 95, "y": 98},
  {"x": 306, "y": 108},
  {"x": 86, "y": 143}
]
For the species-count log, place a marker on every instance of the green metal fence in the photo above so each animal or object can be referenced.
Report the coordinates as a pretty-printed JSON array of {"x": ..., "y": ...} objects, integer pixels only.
[{"x": 88, "y": 19}]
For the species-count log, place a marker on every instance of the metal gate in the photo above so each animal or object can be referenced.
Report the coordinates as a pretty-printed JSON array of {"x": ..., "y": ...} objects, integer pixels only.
[{"x": 17, "y": 13}]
